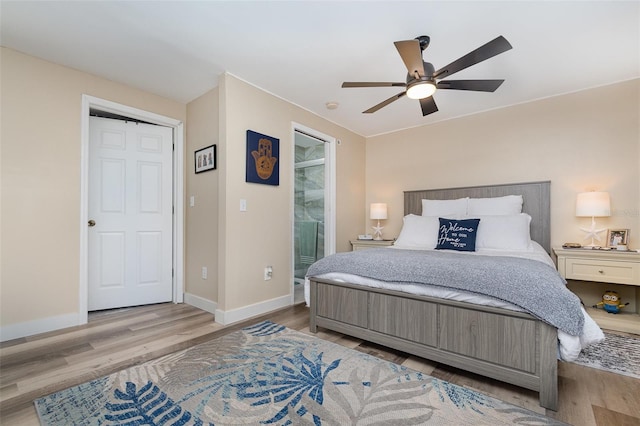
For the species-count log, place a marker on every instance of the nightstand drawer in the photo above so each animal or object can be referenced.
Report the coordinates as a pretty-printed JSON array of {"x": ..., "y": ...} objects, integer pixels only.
[
  {"x": 603, "y": 270},
  {"x": 370, "y": 244}
]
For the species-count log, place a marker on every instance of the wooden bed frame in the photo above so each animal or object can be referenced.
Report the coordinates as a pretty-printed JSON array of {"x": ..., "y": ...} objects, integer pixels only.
[{"x": 512, "y": 347}]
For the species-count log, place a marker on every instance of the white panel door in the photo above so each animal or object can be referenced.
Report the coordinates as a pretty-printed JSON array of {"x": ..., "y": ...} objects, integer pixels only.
[{"x": 130, "y": 212}]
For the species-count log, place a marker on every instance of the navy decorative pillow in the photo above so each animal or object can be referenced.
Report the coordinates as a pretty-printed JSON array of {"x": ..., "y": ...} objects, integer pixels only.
[{"x": 455, "y": 234}]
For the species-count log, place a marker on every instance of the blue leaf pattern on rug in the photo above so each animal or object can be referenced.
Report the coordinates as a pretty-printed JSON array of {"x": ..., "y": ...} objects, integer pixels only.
[
  {"x": 264, "y": 328},
  {"x": 269, "y": 374},
  {"x": 251, "y": 367},
  {"x": 145, "y": 406},
  {"x": 284, "y": 380},
  {"x": 287, "y": 381},
  {"x": 461, "y": 397}
]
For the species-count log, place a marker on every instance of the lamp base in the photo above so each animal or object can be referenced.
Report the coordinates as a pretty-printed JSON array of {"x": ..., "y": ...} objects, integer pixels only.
[
  {"x": 377, "y": 232},
  {"x": 593, "y": 233}
]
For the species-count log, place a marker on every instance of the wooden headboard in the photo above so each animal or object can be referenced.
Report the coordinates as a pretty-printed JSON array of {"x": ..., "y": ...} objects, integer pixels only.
[{"x": 536, "y": 202}]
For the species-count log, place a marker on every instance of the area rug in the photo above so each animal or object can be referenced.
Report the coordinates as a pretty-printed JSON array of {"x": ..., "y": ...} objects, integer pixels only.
[
  {"x": 617, "y": 354},
  {"x": 269, "y": 374}
]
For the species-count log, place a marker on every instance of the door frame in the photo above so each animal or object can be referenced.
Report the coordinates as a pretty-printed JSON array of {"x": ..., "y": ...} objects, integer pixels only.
[
  {"x": 329, "y": 193},
  {"x": 89, "y": 102}
]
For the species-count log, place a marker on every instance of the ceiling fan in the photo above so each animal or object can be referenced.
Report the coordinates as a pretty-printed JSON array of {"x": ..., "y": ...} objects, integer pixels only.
[{"x": 422, "y": 79}]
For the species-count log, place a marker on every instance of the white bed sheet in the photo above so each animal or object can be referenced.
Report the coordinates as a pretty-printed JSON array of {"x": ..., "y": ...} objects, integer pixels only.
[{"x": 569, "y": 346}]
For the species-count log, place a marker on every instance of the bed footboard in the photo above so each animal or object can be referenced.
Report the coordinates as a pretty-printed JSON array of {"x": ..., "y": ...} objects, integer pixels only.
[{"x": 509, "y": 346}]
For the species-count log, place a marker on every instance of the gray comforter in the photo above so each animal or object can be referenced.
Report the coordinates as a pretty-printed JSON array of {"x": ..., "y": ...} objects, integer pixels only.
[{"x": 529, "y": 284}]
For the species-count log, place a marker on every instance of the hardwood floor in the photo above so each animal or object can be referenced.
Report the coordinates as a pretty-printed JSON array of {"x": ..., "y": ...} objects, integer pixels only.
[{"x": 112, "y": 340}]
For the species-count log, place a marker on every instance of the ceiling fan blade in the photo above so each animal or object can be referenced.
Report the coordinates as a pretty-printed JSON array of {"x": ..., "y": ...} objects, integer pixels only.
[
  {"x": 411, "y": 55},
  {"x": 371, "y": 84},
  {"x": 476, "y": 85},
  {"x": 482, "y": 53},
  {"x": 384, "y": 103},
  {"x": 428, "y": 106}
]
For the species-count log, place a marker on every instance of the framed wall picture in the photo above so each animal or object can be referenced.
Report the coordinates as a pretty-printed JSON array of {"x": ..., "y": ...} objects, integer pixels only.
[
  {"x": 617, "y": 237},
  {"x": 205, "y": 159},
  {"x": 263, "y": 155}
]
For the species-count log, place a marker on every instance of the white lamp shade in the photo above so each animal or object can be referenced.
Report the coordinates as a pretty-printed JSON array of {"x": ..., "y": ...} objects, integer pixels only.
[
  {"x": 593, "y": 204},
  {"x": 378, "y": 211}
]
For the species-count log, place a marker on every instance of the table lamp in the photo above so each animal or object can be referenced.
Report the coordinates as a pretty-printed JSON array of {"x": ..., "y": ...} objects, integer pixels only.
[
  {"x": 594, "y": 204},
  {"x": 376, "y": 212}
]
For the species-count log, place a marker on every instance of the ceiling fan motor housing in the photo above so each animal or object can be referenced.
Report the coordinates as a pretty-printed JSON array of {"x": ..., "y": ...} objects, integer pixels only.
[{"x": 426, "y": 76}]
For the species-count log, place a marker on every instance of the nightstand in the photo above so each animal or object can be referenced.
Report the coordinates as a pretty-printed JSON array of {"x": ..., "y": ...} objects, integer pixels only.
[
  {"x": 370, "y": 244},
  {"x": 590, "y": 273}
]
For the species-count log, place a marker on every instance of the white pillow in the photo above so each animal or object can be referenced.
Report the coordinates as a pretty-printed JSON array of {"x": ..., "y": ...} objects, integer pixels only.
[
  {"x": 509, "y": 204},
  {"x": 445, "y": 208},
  {"x": 506, "y": 232},
  {"x": 418, "y": 232}
]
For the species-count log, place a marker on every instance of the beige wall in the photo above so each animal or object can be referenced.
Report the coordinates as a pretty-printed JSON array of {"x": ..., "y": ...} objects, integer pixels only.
[
  {"x": 581, "y": 141},
  {"x": 263, "y": 234},
  {"x": 201, "y": 238},
  {"x": 40, "y": 199},
  {"x": 40, "y": 178}
]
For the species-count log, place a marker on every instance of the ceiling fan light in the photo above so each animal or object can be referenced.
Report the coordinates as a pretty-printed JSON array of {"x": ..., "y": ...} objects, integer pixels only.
[{"x": 421, "y": 89}]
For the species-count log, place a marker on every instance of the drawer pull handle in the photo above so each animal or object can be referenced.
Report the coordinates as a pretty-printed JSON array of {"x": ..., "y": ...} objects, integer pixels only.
[{"x": 601, "y": 271}]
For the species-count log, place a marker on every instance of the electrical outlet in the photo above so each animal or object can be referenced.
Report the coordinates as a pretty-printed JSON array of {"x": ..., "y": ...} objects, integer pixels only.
[
  {"x": 268, "y": 273},
  {"x": 204, "y": 272}
]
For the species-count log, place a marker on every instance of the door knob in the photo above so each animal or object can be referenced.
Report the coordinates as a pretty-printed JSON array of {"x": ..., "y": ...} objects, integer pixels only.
[{"x": 92, "y": 222}]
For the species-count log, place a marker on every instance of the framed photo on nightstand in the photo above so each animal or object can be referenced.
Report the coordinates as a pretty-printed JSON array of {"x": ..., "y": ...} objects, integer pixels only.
[{"x": 617, "y": 237}]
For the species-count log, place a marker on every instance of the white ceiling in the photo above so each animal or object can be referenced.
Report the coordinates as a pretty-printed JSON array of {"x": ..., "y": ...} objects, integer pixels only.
[{"x": 302, "y": 51}]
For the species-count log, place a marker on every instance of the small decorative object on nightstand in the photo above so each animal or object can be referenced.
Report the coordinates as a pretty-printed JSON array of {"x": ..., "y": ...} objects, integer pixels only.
[
  {"x": 370, "y": 244},
  {"x": 611, "y": 302},
  {"x": 618, "y": 239}
]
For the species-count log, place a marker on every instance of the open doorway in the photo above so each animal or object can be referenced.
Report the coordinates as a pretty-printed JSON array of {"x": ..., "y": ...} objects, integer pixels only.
[{"x": 314, "y": 203}]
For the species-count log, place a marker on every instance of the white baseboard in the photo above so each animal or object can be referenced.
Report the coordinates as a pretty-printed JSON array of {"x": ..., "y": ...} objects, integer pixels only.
[
  {"x": 29, "y": 328},
  {"x": 246, "y": 312},
  {"x": 200, "y": 303}
]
